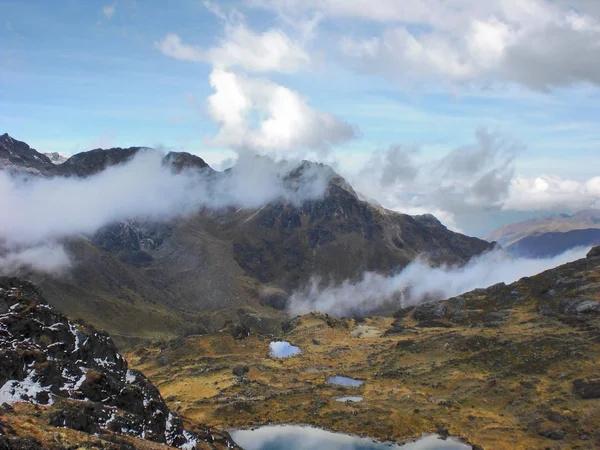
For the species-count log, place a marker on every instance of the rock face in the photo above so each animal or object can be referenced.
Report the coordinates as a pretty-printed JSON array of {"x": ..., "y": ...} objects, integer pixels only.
[
  {"x": 340, "y": 237},
  {"x": 48, "y": 360}
]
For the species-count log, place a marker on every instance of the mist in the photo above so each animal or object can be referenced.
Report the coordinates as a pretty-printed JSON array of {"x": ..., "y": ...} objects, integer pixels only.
[
  {"x": 419, "y": 282},
  {"x": 38, "y": 212}
]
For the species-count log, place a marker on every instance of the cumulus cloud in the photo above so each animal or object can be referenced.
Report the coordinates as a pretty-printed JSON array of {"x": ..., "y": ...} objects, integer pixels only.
[
  {"x": 419, "y": 282},
  {"x": 264, "y": 117},
  {"x": 548, "y": 192},
  {"x": 256, "y": 114},
  {"x": 241, "y": 48},
  {"x": 270, "y": 51},
  {"x": 538, "y": 43},
  {"x": 43, "y": 211}
]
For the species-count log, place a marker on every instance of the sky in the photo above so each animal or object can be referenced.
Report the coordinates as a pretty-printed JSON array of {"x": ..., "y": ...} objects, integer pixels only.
[{"x": 481, "y": 113}]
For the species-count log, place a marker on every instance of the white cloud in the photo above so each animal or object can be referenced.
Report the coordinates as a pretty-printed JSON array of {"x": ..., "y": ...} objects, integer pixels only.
[
  {"x": 45, "y": 210},
  {"x": 242, "y": 48},
  {"x": 472, "y": 177},
  {"x": 49, "y": 258},
  {"x": 419, "y": 282},
  {"x": 264, "y": 117},
  {"x": 257, "y": 114},
  {"x": 171, "y": 45},
  {"x": 270, "y": 51},
  {"x": 109, "y": 11},
  {"x": 548, "y": 192},
  {"x": 538, "y": 43}
]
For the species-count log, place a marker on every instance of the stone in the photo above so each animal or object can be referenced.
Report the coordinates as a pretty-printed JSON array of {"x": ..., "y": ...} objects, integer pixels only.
[
  {"x": 587, "y": 388},
  {"x": 240, "y": 371}
]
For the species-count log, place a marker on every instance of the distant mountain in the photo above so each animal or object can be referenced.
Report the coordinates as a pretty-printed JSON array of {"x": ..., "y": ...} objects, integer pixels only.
[
  {"x": 80, "y": 383},
  {"x": 550, "y": 235},
  {"x": 18, "y": 157},
  {"x": 56, "y": 157},
  {"x": 204, "y": 271}
]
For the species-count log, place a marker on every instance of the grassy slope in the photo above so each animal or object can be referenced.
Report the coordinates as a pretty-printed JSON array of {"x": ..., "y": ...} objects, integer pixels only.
[{"x": 502, "y": 387}]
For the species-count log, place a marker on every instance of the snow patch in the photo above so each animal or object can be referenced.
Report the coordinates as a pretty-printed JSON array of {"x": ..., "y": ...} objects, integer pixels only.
[{"x": 27, "y": 390}]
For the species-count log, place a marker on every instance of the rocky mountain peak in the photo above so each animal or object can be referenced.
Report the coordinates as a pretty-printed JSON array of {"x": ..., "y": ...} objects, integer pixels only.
[
  {"x": 56, "y": 158},
  {"x": 18, "y": 157},
  {"x": 95, "y": 161},
  {"x": 181, "y": 161}
]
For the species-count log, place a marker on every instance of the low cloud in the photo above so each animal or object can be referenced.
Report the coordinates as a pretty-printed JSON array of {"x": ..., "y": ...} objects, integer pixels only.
[
  {"x": 419, "y": 282},
  {"x": 39, "y": 212},
  {"x": 49, "y": 258}
]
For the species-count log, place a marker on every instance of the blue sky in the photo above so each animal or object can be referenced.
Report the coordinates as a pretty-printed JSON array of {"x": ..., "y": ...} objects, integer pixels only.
[{"x": 76, "y": 75}]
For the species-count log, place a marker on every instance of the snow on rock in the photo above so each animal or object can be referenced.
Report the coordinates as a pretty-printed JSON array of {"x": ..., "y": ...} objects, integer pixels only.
[{"x": 46, "y": 359}]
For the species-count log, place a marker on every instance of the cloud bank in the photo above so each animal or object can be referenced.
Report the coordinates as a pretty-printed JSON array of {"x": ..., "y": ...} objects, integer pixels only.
[
  {"x": 418, "y": 282},
  {"x": 40, "y": 211}
]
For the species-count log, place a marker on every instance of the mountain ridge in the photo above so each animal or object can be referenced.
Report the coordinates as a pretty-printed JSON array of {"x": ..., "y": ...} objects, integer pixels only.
[
  {"x": 549, "y": 235},
  {"x": 208, "y": 269}
]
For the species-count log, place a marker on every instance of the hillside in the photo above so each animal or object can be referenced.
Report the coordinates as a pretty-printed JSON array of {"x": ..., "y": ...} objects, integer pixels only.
[
  {"x": 509, "y": 367},
  {"x": 79, "y": 385},
  {"x": 215, "y": 266}
]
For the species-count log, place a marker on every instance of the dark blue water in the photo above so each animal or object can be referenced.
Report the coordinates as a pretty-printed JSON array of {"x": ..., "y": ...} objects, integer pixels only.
[{"x": 296, "y": 437}]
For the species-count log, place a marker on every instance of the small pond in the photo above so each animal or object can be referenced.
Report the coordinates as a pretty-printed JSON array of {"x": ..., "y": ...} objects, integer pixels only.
[
  {"x": 283, "y": 349},
  {"x": 296, "y": 437},
  {"x": 344, "y": 381},
  {"x": 349, "y": 398}
]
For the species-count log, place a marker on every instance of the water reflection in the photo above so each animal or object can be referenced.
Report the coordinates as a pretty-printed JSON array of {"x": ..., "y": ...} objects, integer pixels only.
[
  {"x": 344, "y": 381},
  {"x": 283, "y": 349},
  {"x": 349, "y": 398},
  {"x": 295, "y": 437}
]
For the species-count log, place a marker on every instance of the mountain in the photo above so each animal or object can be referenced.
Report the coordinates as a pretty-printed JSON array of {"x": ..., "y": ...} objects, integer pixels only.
[
  {"x": 550, "y": 235},
  {"x": 56, "y": 158},
  {"x": 217, "y": 267},
  {"x": 79, "y": 381},
  {"x": 18, "y": 157}
]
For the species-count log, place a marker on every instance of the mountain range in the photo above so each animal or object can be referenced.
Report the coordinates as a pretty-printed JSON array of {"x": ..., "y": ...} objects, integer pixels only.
[
  {"x": 549, "y": 235},
  {"x": 219, "y": 266}
]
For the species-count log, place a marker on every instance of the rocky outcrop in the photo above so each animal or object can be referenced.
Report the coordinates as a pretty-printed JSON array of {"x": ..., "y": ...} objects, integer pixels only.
[
  {"x": 48, "y": 360},
  {"x": 566, "y": 292}
]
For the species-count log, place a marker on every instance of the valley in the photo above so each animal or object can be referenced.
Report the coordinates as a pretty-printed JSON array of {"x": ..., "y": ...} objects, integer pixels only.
[{"x": 502, "y": 368}]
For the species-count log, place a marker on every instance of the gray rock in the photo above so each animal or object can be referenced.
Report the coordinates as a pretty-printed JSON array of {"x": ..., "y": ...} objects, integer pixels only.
[
  {"x": 430, "y": 311},
  {"x": 587, "y": 388},
  {"x": 240, "y": 371}
]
